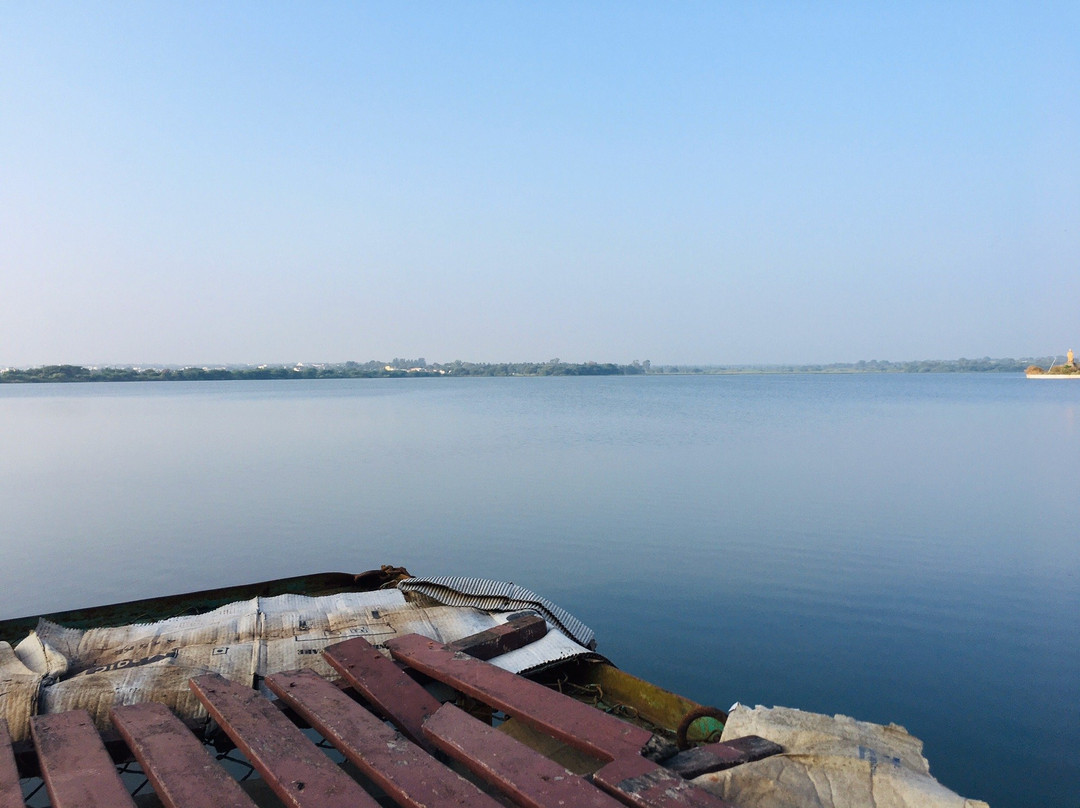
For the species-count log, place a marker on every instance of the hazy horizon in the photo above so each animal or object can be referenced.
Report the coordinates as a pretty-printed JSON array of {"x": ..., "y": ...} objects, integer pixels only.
[
  {"x": 698, "y": 183},
  {"x": 513, "y": 361}
]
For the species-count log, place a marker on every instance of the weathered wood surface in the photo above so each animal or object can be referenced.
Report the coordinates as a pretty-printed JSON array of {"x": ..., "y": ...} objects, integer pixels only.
[
  {"x": 408, "y": 774},
  {"x": 77, "y": 771},
  {"x": 10, "y": 788},
  {"x": 638, "y": 781},
  {"x": 299, "y": 772},
  {"x": 520, "y": 772},
  {"x": 387, "y": 687},
  {"x": 571, "y": 721},
  {"x": 181, "y": 771},
  {"x": 715, "y": 757},
  {"x": 517, "y": 632}
]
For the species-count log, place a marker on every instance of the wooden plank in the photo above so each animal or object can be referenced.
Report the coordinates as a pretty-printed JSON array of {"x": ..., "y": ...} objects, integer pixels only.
[
  {"x": 408, "y": 774},
  {"x": 387, "y": 687},
  {"x": 523, "y": 774},
  {"x": 298, "y": 771},
  {"x": 77, "y": 771},
  {"x": 574, "y": 722},
  {"x": 643, "y": 783},
  {"x": 517, "y": 632},
  {"x": 182, "y": 772},
  {"x": 715, "y": 757},
  {"x": 10, "y": 788}
]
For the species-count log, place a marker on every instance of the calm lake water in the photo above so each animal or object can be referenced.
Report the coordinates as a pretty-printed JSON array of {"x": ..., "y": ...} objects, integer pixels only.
[{"x": 893, "y": 547}]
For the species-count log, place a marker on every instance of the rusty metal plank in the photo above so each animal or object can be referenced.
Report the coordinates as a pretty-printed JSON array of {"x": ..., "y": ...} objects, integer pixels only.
[
  {"x": 393, "y": 692},
  {"x": 77, "y": 771},
  {"x": 715, "y": 757},
  {"x": 517, "y": 632},
  {"x": 523, "y": 774},
  {"x": 574, "y": 722},
  {"x": 408, "y": 774},
  {"x": 10, "y": 789},
  {"x": 640, "y": 782},
  {"x": 182, "y": 772},
  {"x": 298, "y": 771}
]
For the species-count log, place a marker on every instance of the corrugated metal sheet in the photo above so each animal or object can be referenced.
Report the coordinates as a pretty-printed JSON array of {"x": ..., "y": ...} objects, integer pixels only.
[{"x": 497, "y": 596}]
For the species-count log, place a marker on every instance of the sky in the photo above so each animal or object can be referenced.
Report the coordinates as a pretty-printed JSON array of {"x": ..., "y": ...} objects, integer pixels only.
[{"x": 684, "y": 182}]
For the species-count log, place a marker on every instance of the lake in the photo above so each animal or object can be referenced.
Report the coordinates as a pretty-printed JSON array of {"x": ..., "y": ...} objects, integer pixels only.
[{"x": 899, "y": 548}]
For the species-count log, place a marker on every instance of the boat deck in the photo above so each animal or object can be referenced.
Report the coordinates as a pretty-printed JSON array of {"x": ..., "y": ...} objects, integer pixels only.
[{"x": 400, "y": 745}]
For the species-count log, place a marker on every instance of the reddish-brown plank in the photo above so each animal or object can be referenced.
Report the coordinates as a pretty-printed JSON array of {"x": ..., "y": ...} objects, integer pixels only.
[
  {"x": 182, "y": 772},
  {"x": 517, "y": 632},
  {"x": 298, "y": 771},
  {"x": 640, "y": 782},
  {"x": 714, "y": 757},
  {"x": 571, "y": 721},
  {"x": 526, "y": 776},
  {"x": 393, "y": 693},
  {"x": 408, "y": 774},
  {"x": 10, "y": 789},
  {"x": 77, "y": 771}
]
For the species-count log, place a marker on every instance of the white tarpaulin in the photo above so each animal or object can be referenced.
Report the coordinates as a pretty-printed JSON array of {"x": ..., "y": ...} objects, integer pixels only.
[
  {"x": 829, "y": 762},
  {"x": 57, "y": 668},
  {"x": 19, "y": 687},
  {"x": 143, "y": 662}
]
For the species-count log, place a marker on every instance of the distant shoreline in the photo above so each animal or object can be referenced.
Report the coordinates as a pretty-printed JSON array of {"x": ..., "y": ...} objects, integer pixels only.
[{"x": 60, "y": 374}]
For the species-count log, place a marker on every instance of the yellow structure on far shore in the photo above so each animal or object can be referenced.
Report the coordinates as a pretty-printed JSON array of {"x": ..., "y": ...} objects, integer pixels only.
[{"x": 1068, "y": 370}]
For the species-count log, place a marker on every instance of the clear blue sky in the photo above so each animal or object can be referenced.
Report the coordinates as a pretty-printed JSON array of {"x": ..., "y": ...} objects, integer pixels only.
[{"x": 683, "y": 182}]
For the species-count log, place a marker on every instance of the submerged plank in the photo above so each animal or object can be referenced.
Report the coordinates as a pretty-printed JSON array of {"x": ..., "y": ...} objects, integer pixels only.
[
  {"x": 408, "y": 774},
  {"x": 77, "y": 771},
  {"x": 298, "y": 771},
  {"x": 574, "y": 722},
  {"x": 182, "y": 772},
  {"x": 526, "y": 776}
]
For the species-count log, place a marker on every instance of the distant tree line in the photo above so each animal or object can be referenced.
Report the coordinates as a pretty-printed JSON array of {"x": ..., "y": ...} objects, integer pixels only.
[
  {"x": 553, "y": 367},
  {"x": 400, "y": 368},
  {"x": 984, "y": 365},
  {"x": 396, "y": 368}
]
